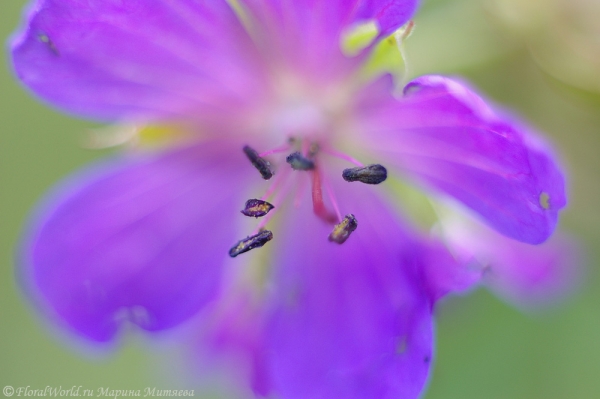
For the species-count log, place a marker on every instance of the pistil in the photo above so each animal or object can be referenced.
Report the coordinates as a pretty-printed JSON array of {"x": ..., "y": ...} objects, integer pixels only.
[{"x": 317, "y": 197}]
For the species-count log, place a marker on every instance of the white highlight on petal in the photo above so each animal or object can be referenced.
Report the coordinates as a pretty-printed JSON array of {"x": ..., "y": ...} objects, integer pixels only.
[{"x": 111, "y": 136}]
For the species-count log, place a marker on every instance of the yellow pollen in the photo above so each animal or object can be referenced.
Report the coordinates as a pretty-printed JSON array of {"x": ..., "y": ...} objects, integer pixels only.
[
  {"x": 342, "y": 231},
  {"x": 545, "y": 200}
]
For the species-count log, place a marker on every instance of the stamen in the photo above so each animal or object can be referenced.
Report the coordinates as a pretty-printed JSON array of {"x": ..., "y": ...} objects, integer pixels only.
[
  {"x": 300, "y": 162},
  {"x": 342, "y": 231},
  {"x": 277, "y": 150},
  {"x": 370, "y": 174},
  {"x": 257, "y": 208},
  {"x": 261, "y": 164},
  {"x": 305, "y": 145},
  {"x": 342, "y": 156},
  {"x": 278, "y": 198},
  {"x": 249, "y": 243},
  {"x": 279, "y": 179}
]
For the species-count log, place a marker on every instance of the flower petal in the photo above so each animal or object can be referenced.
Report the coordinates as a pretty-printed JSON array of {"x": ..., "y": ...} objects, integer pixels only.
[
  {"x": 140, "y": 240},
  {"x": 527, "y": 275},
  {"x": 449, "y": 273},
  {"x": 141, "y": 59},
  {"x": 533, "y": 276},
  {"x": 231, "y": 346},
  {"x": 389, "y": 15},
  {"x": 351, "y": 320},
  {"x": 307, "y": 32},
  {"x": 445, "y": 134}
]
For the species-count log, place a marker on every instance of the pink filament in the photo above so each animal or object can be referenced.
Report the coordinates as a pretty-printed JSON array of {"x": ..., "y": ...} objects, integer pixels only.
[
  {"x": 281, "y": 194},
  {"x": 305, "y": 147},
  {"x": 342, "y": 156},
  {"x": 276, "y": 150},
  {"x": 279, "y": 179}
]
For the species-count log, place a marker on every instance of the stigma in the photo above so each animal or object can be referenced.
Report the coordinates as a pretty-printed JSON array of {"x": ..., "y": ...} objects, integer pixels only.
[{"x": 251, "y": 242}]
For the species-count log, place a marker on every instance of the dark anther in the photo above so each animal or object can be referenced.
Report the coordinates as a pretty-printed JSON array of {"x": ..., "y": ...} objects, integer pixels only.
[
  {"x": 370, "y": 174},
  {"x": 248, "y": 243},
  {"x": 300, "y": 162},
  {"x": 263, "y": 166},
  {"x": 342, "y": 231},
  {"x": 257, "y": 208}
]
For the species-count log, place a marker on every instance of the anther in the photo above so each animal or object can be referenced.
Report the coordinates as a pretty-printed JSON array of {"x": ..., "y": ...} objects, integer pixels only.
[
  {"x": 300, "y": 162},
  {"x": 261, "y": 164},
  {"x": 370, "y": 174},
  {"x": 257, "y": 208},
  {"x": 249, "y": 243},
  {"x": 342, "y": 231}
]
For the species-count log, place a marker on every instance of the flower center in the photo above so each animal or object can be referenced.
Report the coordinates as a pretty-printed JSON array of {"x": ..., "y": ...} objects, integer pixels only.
[{"x": 302, "y": 155}]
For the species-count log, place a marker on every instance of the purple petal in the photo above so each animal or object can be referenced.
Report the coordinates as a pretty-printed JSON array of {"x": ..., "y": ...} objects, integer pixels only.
[
  {"x": 528, "y": 275},
  {"x": 447, "y": 273},
  {"x": 306, "y": 33},
  {"x": 389, "y": 15},
  {"x": 351, "y": 320},
  {"x": 142, "y": 240},
  {"x": 445, "y": 134},
  {"x": 232, "y": 345},
  {"x": 137, "y": 59},
  {"x": 534, "y": 275}
]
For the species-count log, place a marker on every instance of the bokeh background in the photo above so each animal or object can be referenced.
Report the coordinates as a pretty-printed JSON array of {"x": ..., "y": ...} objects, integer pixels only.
[{"x": 539, "y": 57}]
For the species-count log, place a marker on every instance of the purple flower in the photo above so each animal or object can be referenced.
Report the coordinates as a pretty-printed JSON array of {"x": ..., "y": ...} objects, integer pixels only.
[
  {"x": 530, "y": 276},
  {"x": 339, "y": 301}
]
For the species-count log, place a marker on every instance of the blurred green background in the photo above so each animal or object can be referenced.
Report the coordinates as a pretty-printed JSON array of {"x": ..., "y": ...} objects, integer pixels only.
[{"x": 539, "y": 57}]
